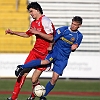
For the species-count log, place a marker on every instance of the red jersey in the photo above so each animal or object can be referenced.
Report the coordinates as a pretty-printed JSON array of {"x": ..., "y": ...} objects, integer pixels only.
[{"x": 44, "y": 25}]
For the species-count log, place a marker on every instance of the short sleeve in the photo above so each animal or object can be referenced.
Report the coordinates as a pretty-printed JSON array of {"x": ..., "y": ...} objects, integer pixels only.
[{"x": 48, "y": 25}]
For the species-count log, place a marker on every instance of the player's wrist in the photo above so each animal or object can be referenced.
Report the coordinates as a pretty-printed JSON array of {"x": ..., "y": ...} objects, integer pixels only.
[{"x": 12, "y": 33}]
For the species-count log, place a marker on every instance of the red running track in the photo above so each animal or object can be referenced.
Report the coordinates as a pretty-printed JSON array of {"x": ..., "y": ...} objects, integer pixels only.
[{"x": 60, "y": 93}]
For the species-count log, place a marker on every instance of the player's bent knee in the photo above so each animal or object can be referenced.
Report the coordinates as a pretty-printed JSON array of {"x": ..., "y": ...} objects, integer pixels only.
[
  {"x": 34, "y": 82},
  {"x": 53, "y": 81},
  {"x": 25, "y": 74}
]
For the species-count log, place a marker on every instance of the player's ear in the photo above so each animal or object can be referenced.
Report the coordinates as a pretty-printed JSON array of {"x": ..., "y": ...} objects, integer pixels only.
[{"x": 80, "y": 25}]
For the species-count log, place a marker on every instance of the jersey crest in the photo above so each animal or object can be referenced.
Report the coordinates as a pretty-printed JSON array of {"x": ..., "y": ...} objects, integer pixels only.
[
  {"x": 72, "y": 39},
  {"x": 58, "y": 31}
]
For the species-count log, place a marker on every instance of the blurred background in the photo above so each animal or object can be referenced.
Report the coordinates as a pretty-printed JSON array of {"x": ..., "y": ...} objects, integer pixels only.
[
  {"x": 81, "y": 77},
  {"x": 84, "y": 63}
]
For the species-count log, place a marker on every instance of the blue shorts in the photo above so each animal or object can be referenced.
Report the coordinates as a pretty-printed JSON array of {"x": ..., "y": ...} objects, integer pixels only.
[{"x": 59, "y": 61}]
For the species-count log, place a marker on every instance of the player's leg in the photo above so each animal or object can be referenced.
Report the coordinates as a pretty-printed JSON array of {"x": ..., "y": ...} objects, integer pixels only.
[
  {"x": 58, "y": 68},
  {"x": 38, "y": 71},
  {"x": 34, "y": 63},
  {"x": 18, "y": 85},
  {"x": 42, "y": 60},
  {"x": 50, "y": 85},
  {"x": 21, "y": 79},
  {"x": 31, "y": 64},
  {"x": 35, "y": 80}
]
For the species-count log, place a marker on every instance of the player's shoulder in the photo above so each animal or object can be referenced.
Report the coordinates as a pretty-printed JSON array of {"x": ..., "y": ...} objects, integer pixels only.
[
  {"x": 62, "y": 28},
  {"x": 80, "y": 34},
  {"x": 46, "y": 19}
]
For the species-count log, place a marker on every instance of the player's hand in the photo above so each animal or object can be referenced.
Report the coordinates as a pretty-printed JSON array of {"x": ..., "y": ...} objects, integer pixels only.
[
  {"x": 8, "y": 31},
  {"x": 49, "y": 48},
  {"x": 74, "y": 46},
  {"x": 34, "y": 30}
]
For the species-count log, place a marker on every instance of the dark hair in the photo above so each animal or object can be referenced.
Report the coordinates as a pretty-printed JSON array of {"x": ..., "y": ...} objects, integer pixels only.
[
  {"x": 77, "y": 19},
  {"x": 36, "y": 6}
]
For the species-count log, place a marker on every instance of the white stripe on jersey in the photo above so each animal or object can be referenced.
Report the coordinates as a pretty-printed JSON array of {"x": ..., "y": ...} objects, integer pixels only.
[{"x": 47, "y": 24}]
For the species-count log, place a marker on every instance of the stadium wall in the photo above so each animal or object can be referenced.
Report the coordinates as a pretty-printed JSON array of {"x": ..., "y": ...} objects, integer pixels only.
[{"x": 80, "y": 65}]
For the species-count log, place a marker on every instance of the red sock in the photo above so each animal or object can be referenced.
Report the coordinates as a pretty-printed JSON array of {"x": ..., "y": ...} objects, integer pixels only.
[
  {"x": 38, "y": 83},
  {"x": 19, "y": 83}
]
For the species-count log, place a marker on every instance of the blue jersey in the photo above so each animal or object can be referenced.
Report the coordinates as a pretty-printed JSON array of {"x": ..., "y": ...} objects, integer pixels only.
[{"x": 64, "y": 39}]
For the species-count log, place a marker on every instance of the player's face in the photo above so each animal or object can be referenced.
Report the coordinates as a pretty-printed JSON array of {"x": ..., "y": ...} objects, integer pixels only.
[
  {"x": 75, "y": 25},
  {"x": 33, "y": 13}
]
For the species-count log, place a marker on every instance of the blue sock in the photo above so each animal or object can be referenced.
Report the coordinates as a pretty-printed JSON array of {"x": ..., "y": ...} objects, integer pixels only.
[
  {"x": 48, "y": 88},
  {"x": 32, "y": 64}
]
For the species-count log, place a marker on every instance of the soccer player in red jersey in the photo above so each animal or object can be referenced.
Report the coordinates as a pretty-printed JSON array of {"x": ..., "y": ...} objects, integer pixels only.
[{"x": 42, "y": 25}]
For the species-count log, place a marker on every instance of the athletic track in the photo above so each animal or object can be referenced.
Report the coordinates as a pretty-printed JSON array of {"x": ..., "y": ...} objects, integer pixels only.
[{"x": 60, "y": 93}]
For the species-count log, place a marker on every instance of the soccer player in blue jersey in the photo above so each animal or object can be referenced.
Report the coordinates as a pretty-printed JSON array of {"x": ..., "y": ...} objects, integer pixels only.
[{"x": 67, "y": 39}]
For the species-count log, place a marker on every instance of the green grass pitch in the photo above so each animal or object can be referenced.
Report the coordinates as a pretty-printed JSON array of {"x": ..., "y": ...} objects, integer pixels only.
[{"x": 61, "y": 86}]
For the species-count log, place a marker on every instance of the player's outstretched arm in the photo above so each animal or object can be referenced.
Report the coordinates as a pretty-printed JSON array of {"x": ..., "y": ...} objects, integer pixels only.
[
  {"x": 8, "y": 31},
  {"x": 21, "y": 34}
]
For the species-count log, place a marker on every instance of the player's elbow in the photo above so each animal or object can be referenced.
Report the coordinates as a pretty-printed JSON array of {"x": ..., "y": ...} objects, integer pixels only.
[
  {"x": 51, "y": 39},
  {"x": 73, "y": 50}
]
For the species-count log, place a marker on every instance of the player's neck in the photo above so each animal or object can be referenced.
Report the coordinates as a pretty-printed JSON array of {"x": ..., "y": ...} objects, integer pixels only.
[
  {"x": 40, "y": 15},
  {"x": 72, "y": 30}
]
